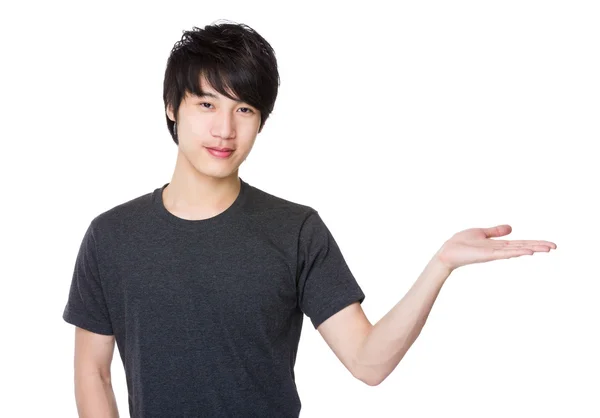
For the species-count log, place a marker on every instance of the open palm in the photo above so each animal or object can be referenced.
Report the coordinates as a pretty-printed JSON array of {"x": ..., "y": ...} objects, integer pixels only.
[{"x": 475, "y": 245}]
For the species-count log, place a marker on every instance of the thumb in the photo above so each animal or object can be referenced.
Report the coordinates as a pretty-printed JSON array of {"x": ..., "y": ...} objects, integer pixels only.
[{"x": 497, "y": 231}]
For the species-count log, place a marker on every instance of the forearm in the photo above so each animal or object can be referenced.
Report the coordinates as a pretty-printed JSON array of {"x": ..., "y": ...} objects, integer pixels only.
[
  {"x": 392, "y": 336},
  {"x": 95, "y": 397}
]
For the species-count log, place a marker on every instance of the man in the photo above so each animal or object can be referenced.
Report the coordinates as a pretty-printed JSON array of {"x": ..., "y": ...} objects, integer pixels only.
[{"x": 203, "y": 283}]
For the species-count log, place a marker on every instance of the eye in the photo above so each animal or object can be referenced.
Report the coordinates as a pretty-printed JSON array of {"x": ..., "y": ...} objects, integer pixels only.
[
  {"x": 205, "y": 105},
  {"x": 246, "y": 110}
]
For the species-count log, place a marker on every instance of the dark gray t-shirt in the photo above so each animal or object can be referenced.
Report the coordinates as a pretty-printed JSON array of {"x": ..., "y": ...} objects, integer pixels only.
[{"x": 207, "y": 314}]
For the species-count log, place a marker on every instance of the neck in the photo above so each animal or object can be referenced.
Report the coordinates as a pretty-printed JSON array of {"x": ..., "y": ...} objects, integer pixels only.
[{"x": 194, "y": 196}]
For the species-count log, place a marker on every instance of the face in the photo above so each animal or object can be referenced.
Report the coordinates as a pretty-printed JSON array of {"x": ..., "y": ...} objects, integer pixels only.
[{"x": 211, "y": 123}]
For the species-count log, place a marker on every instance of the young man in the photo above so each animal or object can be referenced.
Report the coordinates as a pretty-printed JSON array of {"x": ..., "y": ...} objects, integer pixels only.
[{"x": 203, "y": 282}]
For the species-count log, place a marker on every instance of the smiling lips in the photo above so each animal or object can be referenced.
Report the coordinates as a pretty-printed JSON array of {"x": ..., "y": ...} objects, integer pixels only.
[{"x": 220, "y": 152}]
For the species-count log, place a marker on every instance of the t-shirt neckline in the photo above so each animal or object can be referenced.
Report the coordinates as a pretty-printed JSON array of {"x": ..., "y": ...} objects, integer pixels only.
[{"x": 158, "y": 207}]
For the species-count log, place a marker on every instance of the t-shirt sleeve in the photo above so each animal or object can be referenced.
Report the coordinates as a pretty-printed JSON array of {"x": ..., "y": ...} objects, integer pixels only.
[
  {"x": 86, "y": 306},
  {"x": 325, "y": 283}
]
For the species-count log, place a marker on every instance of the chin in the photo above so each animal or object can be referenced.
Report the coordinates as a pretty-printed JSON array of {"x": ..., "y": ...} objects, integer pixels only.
[{"x": 216, "y": 173}]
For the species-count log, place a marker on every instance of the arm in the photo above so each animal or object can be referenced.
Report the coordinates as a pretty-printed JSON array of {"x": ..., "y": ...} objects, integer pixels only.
[
  {"x": 93, "y": 389},
  {"x": 370, "y": 352},
  {"x": 394, "y": 334}
]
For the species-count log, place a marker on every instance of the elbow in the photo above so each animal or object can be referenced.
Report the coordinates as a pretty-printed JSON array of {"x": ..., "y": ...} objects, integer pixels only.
[
  {"x": 369, "y": 379},
  {"x": 102, "y": 377},
  {"x": 369, "y": 375}
]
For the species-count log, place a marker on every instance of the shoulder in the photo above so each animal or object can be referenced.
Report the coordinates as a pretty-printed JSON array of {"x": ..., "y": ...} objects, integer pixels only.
[
  {"x": 119, "y": 216},
  {"x": 266, "y": 205}
]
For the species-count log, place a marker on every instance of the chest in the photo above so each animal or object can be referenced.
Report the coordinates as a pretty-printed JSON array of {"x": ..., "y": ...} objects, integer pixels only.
[{"x": 229, "y": 284}]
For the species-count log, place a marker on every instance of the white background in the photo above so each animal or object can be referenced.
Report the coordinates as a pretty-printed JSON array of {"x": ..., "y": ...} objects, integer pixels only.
[{"x": 401, "y": 124}]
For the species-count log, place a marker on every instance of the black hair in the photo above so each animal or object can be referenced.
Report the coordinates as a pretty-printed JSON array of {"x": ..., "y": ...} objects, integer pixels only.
[{"x": 232, "y": 57}]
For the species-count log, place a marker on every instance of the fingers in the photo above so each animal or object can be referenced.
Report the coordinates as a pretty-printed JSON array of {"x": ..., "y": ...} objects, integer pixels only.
[
  {"x": 501, "y": 254},
  {"x": 524, "y": 243},
  {"x": 537, "y": 248},
  {"x": 544, "y": 248}
]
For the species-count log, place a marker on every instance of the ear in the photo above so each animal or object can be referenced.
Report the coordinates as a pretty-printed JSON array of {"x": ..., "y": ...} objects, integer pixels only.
[{"x": 170, "y": 114}]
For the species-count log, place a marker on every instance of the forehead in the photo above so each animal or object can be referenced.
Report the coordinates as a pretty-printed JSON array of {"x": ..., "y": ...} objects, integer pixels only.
[{"x": 205, "y": 87}]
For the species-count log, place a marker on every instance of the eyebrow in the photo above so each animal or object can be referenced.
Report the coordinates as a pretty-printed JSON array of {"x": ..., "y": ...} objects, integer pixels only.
[{"x": 214, "y": 96}]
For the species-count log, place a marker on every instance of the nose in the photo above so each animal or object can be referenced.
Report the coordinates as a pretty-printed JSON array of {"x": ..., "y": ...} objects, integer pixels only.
[{"x": 223, "y": 125}]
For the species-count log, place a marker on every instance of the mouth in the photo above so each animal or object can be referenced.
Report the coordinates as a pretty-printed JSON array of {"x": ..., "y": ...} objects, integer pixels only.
[{"x": 220, "y": 152}]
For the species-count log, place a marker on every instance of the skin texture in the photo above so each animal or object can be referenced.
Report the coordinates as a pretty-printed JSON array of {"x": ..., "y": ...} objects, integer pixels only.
[
  {"x": 214, "y": 122},
  {"x": 94, "y": 394},
  {"x": 372, "y": 352},
  {"x": 202, "y": 185}
]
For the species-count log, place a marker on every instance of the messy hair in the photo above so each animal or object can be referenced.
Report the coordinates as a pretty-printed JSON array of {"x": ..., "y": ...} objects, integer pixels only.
[{"x": 233, "y": 58}]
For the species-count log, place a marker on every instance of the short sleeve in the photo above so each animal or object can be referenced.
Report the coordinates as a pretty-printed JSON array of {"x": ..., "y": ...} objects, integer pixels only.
[
  {"x": 325, "y": 283},
  {"x": 86, "y": 305}
]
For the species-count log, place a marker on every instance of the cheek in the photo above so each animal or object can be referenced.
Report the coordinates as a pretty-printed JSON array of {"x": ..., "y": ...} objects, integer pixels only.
[
  {"x": 248, "y": 128},
  {"x": 196, "y": 127}
]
